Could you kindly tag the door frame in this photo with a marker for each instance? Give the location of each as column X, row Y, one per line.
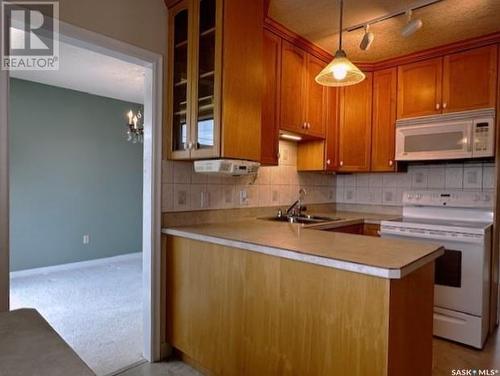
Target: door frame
column 153, row 113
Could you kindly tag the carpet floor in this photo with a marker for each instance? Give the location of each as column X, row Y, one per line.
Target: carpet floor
column 97, row 309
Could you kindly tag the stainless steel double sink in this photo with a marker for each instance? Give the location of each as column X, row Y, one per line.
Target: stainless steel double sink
column 302, row 219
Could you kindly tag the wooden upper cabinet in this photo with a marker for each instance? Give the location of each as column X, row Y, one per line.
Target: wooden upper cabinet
column 178, row 91
column 315, row 114
column 332, row 129
column 419, row 88
column 302, row 100
column 469, row 80
column 293, row 78
column 384, row 120
column 215, row 79
column 355, row 126
column 270, row 100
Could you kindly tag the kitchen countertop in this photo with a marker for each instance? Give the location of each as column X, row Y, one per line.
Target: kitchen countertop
column 387, row 258
column 352, row 218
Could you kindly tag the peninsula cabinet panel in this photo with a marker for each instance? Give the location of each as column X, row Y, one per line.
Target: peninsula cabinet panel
column 469, row 80
column 293, row 79
column 419, row 88
column 315, row 116
column 384, row 120
column 215, row 81
column 270, row 100
column 355, row 126
column 236, row 312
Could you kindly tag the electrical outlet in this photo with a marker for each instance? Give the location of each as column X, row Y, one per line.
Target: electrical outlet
column 243, row 197
column 86, row 239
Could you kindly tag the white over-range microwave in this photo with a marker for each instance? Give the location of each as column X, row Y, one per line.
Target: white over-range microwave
column 459, row 135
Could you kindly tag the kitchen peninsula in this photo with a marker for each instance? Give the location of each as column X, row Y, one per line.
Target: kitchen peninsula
column 257, row 297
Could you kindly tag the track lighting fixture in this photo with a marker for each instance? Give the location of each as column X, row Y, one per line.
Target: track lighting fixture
column 368, row 38
column 412, row 26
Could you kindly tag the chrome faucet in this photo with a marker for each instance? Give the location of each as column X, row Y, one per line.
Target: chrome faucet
column 297, row 208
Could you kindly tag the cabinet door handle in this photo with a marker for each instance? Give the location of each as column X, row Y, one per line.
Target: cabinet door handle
column 190, row 145
column 391, row 162
column 308, row 125
column 445, row 105
column 438, row 106
column 328, row 162
column 341, row 163
column 304, row 126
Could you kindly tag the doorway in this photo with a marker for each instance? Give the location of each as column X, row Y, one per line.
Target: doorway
column 151, row 174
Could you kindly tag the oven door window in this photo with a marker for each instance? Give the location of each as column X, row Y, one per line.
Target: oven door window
column 448, row 270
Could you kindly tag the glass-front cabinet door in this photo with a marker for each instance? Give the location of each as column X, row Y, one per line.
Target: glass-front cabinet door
column 205, row 114
column 194, row 78
column 179, row 79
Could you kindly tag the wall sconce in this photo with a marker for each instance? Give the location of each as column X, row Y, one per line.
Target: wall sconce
column 135, row 127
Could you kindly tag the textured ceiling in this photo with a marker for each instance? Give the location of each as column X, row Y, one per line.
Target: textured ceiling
column 90, row 72
column 444, row 22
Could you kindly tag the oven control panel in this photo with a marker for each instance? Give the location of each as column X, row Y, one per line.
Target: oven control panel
column 483, row 137
column 450, row 199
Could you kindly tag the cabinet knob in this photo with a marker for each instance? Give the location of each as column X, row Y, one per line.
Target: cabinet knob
column 391, row 162
column 438, row 106
column 304, row 126
column 190, row 145
column 445, row 105
column 328, row 162
column 341, row 163
column 308, row 125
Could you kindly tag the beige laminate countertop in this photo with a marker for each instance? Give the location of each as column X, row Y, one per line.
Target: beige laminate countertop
column 351, row 218
column 386, row 258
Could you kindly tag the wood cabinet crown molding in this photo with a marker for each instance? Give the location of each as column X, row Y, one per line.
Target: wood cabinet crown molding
column 429, row 53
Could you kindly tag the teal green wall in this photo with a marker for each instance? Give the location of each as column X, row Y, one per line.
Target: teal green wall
column 72, row 173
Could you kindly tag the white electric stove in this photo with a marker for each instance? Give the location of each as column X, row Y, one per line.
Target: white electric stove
column 461, row 222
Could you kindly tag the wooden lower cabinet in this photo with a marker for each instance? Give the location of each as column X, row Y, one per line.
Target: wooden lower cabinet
column 370, row 229
column 350, row 229
column 236, row 312
column 359, row 229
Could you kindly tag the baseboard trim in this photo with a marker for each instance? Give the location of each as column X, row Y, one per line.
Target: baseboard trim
column 75, row 265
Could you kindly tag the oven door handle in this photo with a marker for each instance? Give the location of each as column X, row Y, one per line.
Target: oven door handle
column 453, row 320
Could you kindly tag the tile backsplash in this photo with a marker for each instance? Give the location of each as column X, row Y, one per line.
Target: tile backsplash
column 185, row 190
column 387, row 189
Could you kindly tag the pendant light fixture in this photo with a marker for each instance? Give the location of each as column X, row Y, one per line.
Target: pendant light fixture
column 340, row 72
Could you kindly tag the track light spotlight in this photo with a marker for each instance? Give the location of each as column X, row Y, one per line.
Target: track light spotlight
column 412, row 26
column 367, row 40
